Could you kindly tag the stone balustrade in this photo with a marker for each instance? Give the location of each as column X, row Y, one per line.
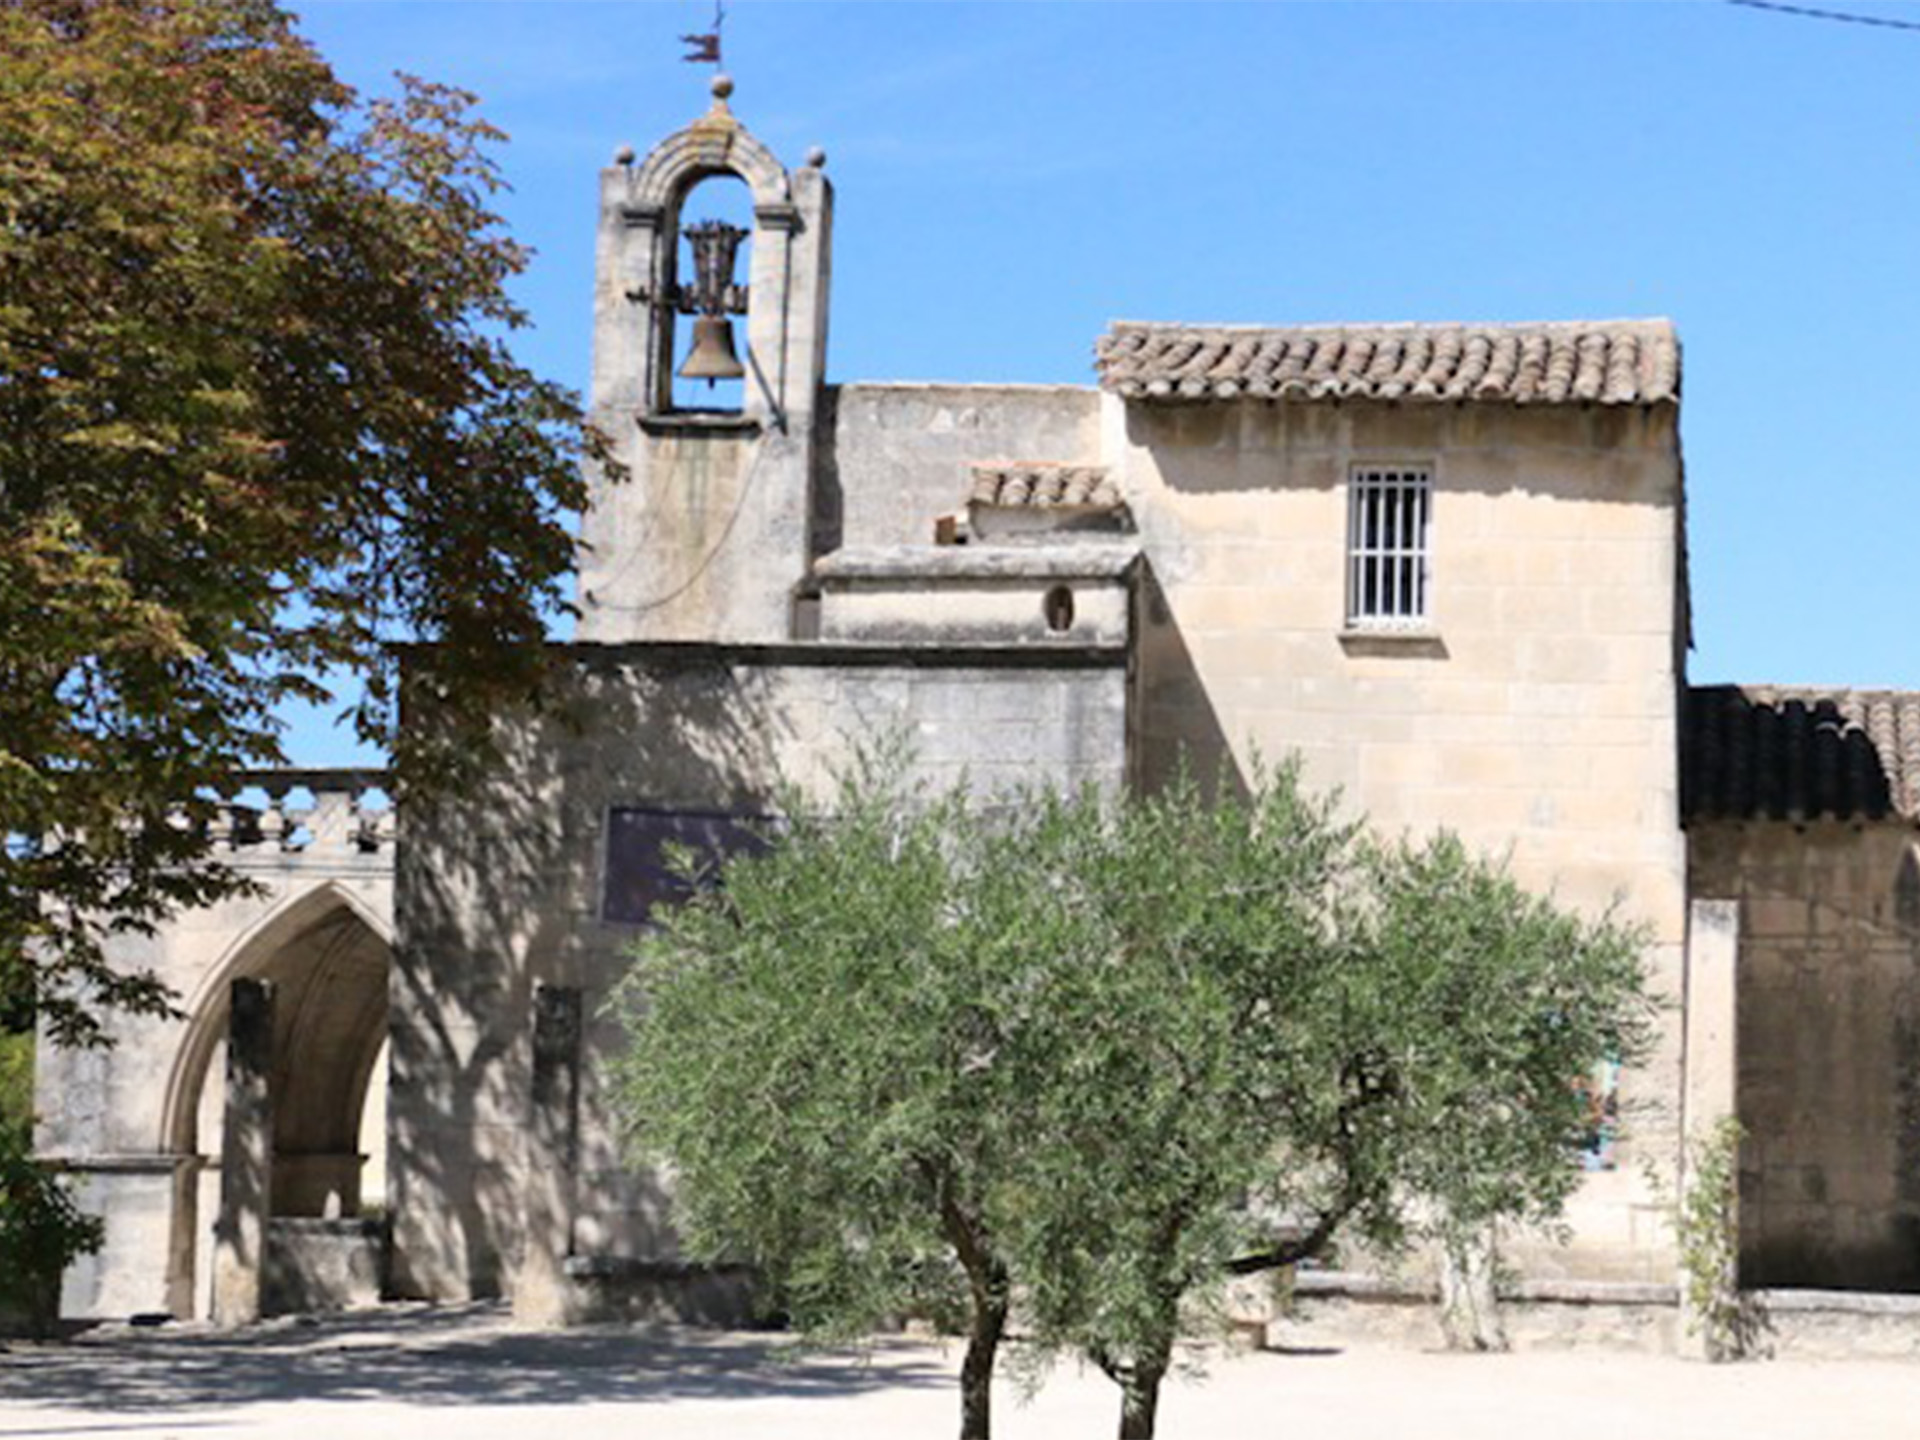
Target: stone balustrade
column 307, row 811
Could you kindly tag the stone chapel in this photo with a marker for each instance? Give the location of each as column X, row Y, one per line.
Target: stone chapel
column 1445, row 563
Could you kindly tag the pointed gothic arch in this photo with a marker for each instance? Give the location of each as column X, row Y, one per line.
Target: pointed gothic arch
column 328, row 952
column 251, row 954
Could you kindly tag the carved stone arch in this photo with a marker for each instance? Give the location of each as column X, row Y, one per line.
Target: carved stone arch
column 329, row 953
column 249, row 954
column 717, row 144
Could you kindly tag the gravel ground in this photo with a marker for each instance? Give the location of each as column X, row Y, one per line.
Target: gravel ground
column 420, row 1373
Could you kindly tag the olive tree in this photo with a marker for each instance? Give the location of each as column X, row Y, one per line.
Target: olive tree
column 1079, row 1059
column 815, row 1048
column 1311, row 1034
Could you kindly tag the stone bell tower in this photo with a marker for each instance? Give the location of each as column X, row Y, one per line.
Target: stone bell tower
column 706, row 538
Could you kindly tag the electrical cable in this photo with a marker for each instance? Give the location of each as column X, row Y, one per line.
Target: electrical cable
column 639, row 550
column 1807, row 12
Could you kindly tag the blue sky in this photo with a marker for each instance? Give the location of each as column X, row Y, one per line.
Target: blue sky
column 1010, row 177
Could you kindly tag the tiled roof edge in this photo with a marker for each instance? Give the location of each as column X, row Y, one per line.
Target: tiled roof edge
column 1770, row 752
column 1603, row 362
column 1041, row 484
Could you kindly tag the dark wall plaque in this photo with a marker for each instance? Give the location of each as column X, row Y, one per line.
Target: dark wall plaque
column 640, row 846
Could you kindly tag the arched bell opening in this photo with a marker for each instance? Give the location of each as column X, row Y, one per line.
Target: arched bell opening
column 710, row 537
column 328, row 965
column 713, row 228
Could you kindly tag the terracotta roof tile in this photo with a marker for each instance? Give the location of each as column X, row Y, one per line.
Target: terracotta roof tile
column 1757, row 752
column 1043, row 486
column 1607, row 362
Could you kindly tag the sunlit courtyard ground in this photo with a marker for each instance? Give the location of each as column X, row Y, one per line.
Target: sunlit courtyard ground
column 421, row 1374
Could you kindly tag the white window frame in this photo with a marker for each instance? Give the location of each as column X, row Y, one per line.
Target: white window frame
column 1390, row 546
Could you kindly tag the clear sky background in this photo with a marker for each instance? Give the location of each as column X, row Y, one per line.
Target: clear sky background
column 1011, row 177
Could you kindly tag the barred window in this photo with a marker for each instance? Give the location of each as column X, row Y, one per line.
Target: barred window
column 1387, row 523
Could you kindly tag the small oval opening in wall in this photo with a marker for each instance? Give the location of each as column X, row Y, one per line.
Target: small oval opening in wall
column 1058, row 608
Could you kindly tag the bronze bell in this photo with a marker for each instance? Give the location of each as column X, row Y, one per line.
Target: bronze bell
column 712, row 357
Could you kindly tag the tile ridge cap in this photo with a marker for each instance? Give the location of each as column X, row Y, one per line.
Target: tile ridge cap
column 1256, row 328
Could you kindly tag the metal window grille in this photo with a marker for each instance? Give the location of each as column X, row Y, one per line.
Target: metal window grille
column 1387, row 522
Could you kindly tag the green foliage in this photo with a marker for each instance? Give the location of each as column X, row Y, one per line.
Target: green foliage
column 1196, row 1024
column 1499, row 1003
column 1121, row 1049
column 258, row 419
column 800, row 1052
column 16, row 1078
column 1706, row 1219
column 41, row 1232
column 1297, row 1031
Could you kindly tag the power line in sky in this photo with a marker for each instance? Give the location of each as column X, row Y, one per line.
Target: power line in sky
column 1809, row 13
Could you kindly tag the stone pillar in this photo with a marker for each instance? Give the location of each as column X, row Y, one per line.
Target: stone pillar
column 184, row 1239
column 541, row 1288
column 246, row 1156
column 1713, row 949
column 1709, row 1097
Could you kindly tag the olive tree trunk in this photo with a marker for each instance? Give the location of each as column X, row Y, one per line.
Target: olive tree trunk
column 984, row 1330
column 1469, row 1297
column 1140, row 1391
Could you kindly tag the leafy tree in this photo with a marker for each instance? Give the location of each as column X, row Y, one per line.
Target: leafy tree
column 16, row 1077
column 1084, row 1059
column 42, row 1231
column 258, row 419
column 1316, row 1034
column 811, row 1048
column 1205, row 1100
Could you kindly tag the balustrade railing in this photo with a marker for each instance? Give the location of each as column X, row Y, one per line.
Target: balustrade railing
column 303, row 811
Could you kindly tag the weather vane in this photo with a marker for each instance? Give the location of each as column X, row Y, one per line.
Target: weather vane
column 705, row 49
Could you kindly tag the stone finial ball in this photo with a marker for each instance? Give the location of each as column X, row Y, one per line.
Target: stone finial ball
column 722, row 86
column 816, row 158
column 624, row 155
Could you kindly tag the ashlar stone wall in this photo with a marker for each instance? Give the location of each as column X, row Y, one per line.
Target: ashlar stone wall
column 1534, row 712
column 895, row 456
column 1829, row 1047
column 502, row 899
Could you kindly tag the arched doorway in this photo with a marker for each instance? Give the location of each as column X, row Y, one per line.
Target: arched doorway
column 328, row 958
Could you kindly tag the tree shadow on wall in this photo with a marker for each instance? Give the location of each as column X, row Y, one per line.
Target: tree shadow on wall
column 498, row 891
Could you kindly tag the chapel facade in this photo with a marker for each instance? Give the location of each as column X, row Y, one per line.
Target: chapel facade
column 1445, row 564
